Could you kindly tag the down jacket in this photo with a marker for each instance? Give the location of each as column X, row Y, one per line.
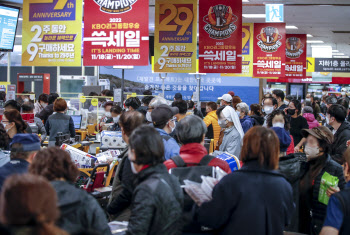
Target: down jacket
column 211, row 121
column 310, row 118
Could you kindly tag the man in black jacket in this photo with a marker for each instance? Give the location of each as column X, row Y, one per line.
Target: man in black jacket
column 48, row 110
column 336, row 115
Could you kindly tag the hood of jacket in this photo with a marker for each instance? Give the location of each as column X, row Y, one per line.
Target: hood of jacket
column 245, row 118
column 68, row 195
column 193, row 151
column 258, row 119
column 310, row 117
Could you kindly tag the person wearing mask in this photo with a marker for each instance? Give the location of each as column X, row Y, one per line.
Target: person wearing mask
column 236, row 100
column 133, row 103
column 336, row 221
column 182, row 106
column 177, row 97
column 231, row 132
column 164, row 121
column 211, row 121
column 27, row 107
column 323, row 105
column 312, row 212
column 59, row 122
column 226, row 100
column 123, row 187
column 23, row 97
column 157, row 200
column 335, row 117
column 23, row 150
column 343, row 93
column 116, row 111
column 155, row 102
column 279, row 96
column 13, row 123
column 242, row 112
column 4, row 145
column 145, row 103
column 288, row 99
column 41, row 103
column 297, row 123
column 310, row 118
column 28, row 206
column 231, row 208
column 193, row 110
column 345, row 103
column 107, row 117
column 256, row 114
column 48, row 110
column 79, row 210
column 269, row 104
column 316, row 108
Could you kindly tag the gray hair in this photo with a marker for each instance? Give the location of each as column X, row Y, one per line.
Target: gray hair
column 244, row 107
column 155, row 102
column 191, row 130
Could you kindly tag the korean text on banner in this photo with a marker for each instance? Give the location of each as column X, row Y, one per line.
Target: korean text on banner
column 116, row 32
column 51, row 34
column 296, row 55
column 220, row 36
column 175, row 36
column 269, row 50
column 247, row 52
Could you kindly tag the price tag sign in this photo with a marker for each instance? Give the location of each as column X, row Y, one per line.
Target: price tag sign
column 118, row 95
column 82, row 99
column 175, row 41
column 94, row 102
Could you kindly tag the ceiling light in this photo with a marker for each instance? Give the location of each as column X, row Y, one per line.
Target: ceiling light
column 314, row 41
column 20, row 19
column 335, row 50
column 291, row 27
column 18, row 36
column 309, row 36
column 245, row 0
column 338, row 53
column 339, row 56
column 254, row 15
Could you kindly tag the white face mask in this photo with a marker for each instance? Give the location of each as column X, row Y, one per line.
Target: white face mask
column 343, row 93
column 327, row 120
column 133, row 168
column 222, row 123
column 108, row 114
column 116, row 119
column 268, row 109
column 278, row 124
column 26, row 100
column 324, row 93
column 149, row 117
column 311, row 152
column 127, row 109
column 44, row 105
column 307, row 99
column 173, row 128
column 286, row 102
column 238, row 113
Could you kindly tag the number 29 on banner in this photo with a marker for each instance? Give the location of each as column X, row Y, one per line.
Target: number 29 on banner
column 175, row 36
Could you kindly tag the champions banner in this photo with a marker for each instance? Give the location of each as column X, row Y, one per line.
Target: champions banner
column 51, row 34
column 269, row 49
column 116, row 32
column 220, row 36
column 175, row 36
column 296, row 55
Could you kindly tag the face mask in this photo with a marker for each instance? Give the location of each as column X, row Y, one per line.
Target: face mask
column 4, row 124
column 324, row 93
column 149, row 117
column 44, row 105
column 268, row 109
column 343, row 93
column 133, row 168
column 312, row 152
column 327, row 120
column 26, row 100
column 286, row 102
column 173, row 128
column 291, row 112
column 238, row 113
column 108, row 114
column 116, row 119
column 222, row 123
column 278, row 124
column 126, row 110
column 307, row 99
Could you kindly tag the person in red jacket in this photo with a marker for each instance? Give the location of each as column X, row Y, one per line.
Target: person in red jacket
column 191, row 131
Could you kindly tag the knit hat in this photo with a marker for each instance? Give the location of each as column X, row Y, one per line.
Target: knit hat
column 308, row 109
column 284, row 138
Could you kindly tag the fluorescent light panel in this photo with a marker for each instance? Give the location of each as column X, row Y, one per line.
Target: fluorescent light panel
column 254, row 15
column 18, row 36
column 309, row 36
column 245, row 1
column 314, row 41
column 20, row 19
column 335, row 50
column 339, row 56
column 291, row 27
column 338, row 53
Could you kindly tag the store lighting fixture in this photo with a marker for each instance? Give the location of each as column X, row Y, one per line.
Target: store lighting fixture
column 335, row 50
column 254, row 15
column 18, row 36
column 341, row 56
column 314, row 41
column 20, row 19
column 245, row 0
column 338, row 53
column 291, row 27
column 309, row 36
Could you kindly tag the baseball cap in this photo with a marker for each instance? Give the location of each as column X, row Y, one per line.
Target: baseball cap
column 226, row 97
column 232, row 93
column 162, row 114
column 344, row 89
column 178, row 96
column 30, row 142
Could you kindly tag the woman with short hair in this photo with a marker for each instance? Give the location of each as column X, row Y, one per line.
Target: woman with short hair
column 255, row 199
column 79, row 210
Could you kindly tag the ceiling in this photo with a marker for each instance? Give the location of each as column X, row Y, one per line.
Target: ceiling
column 316, row 17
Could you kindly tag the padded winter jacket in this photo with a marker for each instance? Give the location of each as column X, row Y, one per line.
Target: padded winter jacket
column 339, row 145
column 212, row 120
column 310, row 118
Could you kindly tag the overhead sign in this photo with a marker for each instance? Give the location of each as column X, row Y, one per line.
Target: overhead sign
column 116, row 32
column 296, row 55
column 332, row 65
column 49, row 33
column 220, row 36
column 310, row 64
column 175, row 36
column 8, row 26
column 274, row 13
column 269, row 50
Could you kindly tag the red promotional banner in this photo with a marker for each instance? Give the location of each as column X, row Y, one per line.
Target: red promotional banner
column 269, row 49
column 296, row 55
column 220, row 36
column 115, row 31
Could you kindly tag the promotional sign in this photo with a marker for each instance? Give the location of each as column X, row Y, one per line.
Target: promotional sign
column 247, row 52
column 295, row 55
column 8, row 27
column 175, row 36
column 310, row 64
column 220, row 36
column 274, row 13
column 115, row 31
column 332, row 65
column 11, row 92
column 49, row 33
column 269, row 49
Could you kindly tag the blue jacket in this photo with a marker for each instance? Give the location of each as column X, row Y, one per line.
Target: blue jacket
column 171, row 148
column 15, row 166
column 59, row 122
column 251, row 200
column 246, row 123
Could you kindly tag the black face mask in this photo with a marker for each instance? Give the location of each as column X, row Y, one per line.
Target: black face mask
column 291, row 112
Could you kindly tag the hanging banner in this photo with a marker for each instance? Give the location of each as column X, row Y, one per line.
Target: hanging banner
column 49, row 33
column 296, row 55
column 247, row 52
column 220, row 36
column 269, row 50
column 175, row 36
column 341, row 65
column 115, row 31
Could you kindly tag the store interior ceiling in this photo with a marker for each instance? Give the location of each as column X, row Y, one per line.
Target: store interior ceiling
column 327, row 21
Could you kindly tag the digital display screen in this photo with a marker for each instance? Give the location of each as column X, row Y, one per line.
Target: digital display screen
column 77, row 121
column 8, row 25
